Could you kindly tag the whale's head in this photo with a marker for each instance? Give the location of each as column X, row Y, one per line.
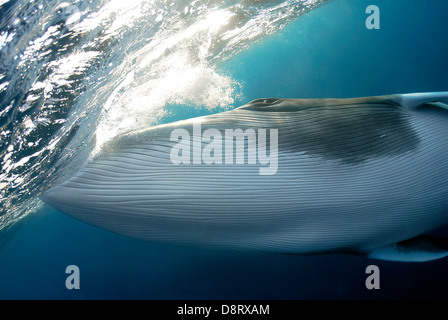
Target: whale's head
column 337, row 161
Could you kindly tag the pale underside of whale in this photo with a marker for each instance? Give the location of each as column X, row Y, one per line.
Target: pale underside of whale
column 362, row 175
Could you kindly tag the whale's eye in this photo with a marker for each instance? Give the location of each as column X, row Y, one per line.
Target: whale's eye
column 264, row 102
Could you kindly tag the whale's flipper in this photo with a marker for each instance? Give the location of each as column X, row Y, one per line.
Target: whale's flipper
column 439, row 105
column 419, row 249
column 413, row 100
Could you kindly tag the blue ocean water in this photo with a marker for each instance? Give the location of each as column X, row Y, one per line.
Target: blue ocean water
column 327, row 52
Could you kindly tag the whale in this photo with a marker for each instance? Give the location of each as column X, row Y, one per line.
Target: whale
column 365, row 176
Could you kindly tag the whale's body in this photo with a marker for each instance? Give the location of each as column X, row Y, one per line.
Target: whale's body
column 363, row 175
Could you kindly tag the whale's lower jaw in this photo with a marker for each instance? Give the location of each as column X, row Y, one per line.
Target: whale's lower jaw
column 279, row 234
column 306, row 208
column 365, row 188
column 271, row 235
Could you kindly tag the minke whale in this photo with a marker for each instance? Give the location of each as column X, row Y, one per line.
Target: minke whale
column 365, row 176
